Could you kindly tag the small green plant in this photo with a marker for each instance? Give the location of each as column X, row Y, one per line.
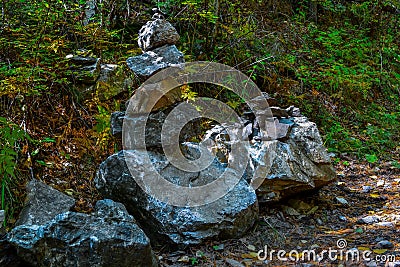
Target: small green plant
column 10, row 136
column 371, row 158
column 194, row 261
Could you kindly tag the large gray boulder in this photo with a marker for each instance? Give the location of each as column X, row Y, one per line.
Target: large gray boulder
column 228, row 217
column 43, row 203
column 107, row 237
column 150, row 62
column 295, row 160
column 154, row 124
column 157, row 33
column 301, row 163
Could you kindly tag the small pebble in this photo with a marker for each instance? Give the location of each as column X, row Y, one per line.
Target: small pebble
column 342, row 200
column 343, row 218
column 371, row 264
column 368, row 220
column 386, row 224
column 385, row 244
column 233, row 263
column 366, row 188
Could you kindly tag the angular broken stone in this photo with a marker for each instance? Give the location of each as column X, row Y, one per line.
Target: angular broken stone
column 107, row 237
column 368, row 220
column 157, row 33
column 293, row 111
column 43, row 203
column 228, row 217
column 150, row 62
column 301, row 163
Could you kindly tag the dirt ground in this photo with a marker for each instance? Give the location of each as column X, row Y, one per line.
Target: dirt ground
column 352, row 222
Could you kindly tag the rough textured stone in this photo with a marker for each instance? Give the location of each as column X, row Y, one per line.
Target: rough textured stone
column 2, row 218
column 156, row 93
column 228, row 217
column 86, row 69
column 150, row 62
column 43, row 203
column 8, row 255
column 301, row 163
column 154, row 124
column 157, row 33
column 112, row 81
column 107, row 237
column 116, row 122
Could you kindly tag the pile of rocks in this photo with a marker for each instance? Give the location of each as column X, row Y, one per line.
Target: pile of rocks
column 299, row 161
column 91, row 76
column 157, row 40
column 49, row 234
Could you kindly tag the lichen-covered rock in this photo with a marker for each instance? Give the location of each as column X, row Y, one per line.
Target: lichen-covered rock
column 150, row 62
column 228, row 217
column 157, row 33
column 107, row 237
column 43, row 203
column 85, row 67
column 112, row 81
column 301, row 163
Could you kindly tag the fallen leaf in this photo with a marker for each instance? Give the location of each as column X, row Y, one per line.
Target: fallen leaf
column 69, row 192
column 250, row 255
column 290, row 211
column 379, row 251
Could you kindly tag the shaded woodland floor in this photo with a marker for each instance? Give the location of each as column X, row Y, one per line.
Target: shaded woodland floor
column 316, row 221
